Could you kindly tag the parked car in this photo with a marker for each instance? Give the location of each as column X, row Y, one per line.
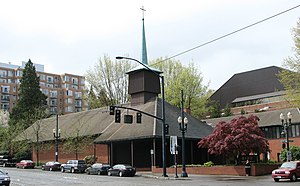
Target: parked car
column 7, row 161
column 121, row 170
column 98, row 168
column 288, row 170
column 4, row 178
column 51, row 166
column 25, row 164
column 74, row 166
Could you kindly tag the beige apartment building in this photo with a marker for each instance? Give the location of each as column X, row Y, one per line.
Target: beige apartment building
column 65, row 93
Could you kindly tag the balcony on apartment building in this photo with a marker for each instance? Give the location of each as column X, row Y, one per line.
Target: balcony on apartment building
column 5, row 106
column 5, row 99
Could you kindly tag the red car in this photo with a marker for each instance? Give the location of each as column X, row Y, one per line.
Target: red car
column 51, row 166
column 25, row 164
column 288, row 170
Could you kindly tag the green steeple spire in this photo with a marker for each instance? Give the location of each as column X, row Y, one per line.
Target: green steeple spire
column 144, row 48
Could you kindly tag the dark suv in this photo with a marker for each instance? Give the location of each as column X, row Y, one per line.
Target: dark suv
column 74, row 166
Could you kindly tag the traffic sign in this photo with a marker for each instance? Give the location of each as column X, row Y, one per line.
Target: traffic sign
column 173, row 144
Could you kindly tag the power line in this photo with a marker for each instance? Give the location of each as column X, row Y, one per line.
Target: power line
column 226, row 35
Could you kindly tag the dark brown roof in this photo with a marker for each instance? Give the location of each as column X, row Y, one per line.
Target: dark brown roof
column 99, row 122
column 255, row 82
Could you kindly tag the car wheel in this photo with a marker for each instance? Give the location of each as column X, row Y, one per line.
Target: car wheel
column 72, row 170
column 99, row 172
column 88, row 172
column 120, row 173
column 23, row 167
column 109, row 174
column 276, row 179
column 50, row 169
column 294, row 177
column 62, row 169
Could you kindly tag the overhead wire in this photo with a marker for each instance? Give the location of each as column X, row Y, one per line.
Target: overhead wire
column 221, row 37
column 226, row 35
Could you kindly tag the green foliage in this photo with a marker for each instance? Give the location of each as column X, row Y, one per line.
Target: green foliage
column 30, row 98
column 208, row 164
column 186, row 78
column 215, row 109
column 90, row 159
column 227, row 111
column 291, row 78
column 243, row 112
column 295, row 153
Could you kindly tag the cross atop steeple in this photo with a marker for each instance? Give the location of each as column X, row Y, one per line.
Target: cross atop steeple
column 143, row 10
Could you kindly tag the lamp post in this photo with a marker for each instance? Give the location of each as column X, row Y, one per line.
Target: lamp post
column 183, row 121
column 56, row 135
column 164, row 155
column 286, row 123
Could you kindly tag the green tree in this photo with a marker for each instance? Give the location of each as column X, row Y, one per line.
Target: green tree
column 188, row 79
column 214, row 109
column 30, row 98
column 109, row 81
column 30, row 101
column 295, row 153
column 227, row 111
column 291, row 78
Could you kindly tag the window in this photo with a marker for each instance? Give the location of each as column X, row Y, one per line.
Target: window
column 53, row 93
column 5, row 89
column 78, row 95
column 50, row 79
column 69, row 109
column 10, row 73
column 70, row 101
column 75, row 81
column 69, row 93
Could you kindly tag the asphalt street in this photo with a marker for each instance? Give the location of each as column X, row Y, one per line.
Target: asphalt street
column 37, row 177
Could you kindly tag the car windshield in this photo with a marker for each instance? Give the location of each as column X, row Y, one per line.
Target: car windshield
column 1, row 172
column 289, row 165
column 96, row 165
column 81, row 162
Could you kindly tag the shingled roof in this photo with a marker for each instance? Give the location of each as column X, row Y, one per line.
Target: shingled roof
column 269, row 118
column 254, row 82
column 99, row 122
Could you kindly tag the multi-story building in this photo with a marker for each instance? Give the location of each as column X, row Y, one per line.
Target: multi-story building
column 64, row 92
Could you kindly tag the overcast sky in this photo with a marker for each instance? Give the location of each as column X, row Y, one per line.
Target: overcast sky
column 69, row 36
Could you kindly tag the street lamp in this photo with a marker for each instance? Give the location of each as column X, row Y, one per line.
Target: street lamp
column 56, row 135
column 183, row 127
column 286, row 123
column 164, row 155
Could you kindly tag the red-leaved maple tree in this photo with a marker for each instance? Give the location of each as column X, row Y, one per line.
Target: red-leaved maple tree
column 240, row 136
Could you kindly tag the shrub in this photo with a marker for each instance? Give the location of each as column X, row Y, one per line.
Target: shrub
column 208, row 164
column 90, row 159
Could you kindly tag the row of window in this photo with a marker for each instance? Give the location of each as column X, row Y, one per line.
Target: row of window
column 259, row 101
column 6, row 89
column 276, row 132
column 53, row 110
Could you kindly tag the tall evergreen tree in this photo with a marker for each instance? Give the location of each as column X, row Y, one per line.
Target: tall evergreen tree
column 30, row 98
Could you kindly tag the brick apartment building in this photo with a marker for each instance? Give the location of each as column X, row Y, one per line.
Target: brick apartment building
column 259, row 92
column 64, row 92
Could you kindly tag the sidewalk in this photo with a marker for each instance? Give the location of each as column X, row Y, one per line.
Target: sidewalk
column 194, row 176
